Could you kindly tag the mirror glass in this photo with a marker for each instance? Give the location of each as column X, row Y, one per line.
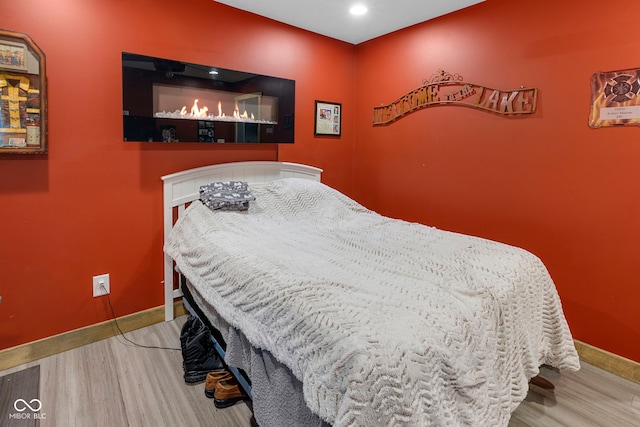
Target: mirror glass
column 172, row 101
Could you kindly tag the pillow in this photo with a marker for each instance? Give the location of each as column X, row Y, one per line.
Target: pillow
column 226, row 195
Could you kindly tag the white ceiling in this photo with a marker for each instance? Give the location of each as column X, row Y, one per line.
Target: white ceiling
column 332, row 18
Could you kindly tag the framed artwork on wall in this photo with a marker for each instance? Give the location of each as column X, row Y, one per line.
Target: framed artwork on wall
column 328, row 118
column 23, row 95
column 13, row 55
column 615, row 98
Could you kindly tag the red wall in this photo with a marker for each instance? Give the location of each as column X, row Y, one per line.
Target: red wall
column 93, row 205
column 546, row 182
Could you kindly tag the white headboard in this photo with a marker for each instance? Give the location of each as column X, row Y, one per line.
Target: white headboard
column 181, row 188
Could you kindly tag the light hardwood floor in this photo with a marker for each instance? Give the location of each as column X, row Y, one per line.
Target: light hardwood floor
column 114, row 383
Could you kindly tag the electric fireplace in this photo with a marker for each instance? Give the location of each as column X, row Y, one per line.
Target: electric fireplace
column 172, row 101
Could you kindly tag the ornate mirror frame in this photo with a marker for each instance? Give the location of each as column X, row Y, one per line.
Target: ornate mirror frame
column 23, row 95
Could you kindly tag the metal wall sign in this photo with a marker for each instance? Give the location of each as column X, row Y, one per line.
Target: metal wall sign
column 444, row 88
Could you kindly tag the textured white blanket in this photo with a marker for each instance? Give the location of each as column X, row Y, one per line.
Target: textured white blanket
column 385, row 322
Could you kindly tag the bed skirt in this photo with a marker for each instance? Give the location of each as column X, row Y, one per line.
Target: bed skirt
column 277, row 394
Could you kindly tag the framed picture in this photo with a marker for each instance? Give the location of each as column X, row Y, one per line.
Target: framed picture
column 614, row 98
column 23, row 95
column 13, row 55
column 328, row 118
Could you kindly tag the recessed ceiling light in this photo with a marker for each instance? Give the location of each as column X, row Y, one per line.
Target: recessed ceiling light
column 358, row 9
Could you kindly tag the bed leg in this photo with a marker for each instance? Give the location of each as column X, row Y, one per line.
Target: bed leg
column 542, row 382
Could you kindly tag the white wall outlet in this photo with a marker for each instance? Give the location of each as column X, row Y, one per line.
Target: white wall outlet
column 101, row 285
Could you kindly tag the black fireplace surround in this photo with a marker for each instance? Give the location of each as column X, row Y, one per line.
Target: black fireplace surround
column 172, row 101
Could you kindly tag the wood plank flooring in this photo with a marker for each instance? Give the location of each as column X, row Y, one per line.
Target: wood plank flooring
column 113, row 383
column 17, row 390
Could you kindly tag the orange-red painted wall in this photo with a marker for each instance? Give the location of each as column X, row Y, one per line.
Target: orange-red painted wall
column 548, row 182
column 93, row 204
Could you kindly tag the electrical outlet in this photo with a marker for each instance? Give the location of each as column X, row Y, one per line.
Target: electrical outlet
column 101, row 285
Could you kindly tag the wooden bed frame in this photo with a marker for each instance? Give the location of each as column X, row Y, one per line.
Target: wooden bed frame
column 181, row 188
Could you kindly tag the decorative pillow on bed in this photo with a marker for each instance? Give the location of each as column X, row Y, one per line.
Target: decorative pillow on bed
column 226, row 195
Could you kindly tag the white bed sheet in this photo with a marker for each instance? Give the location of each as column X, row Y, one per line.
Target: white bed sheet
column 384, row 322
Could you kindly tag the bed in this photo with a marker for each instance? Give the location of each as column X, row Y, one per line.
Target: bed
column 345, row 317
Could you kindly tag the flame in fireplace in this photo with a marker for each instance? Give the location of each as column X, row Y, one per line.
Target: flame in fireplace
column 245, row 115
column 197, row 112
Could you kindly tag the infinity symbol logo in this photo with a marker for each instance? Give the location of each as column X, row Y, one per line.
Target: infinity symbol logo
column 26, row 405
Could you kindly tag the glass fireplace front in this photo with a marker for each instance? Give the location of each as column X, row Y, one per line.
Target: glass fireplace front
column 173, row 101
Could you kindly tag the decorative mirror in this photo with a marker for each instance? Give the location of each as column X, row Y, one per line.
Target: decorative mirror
column 23, row 95
column 172, row 101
